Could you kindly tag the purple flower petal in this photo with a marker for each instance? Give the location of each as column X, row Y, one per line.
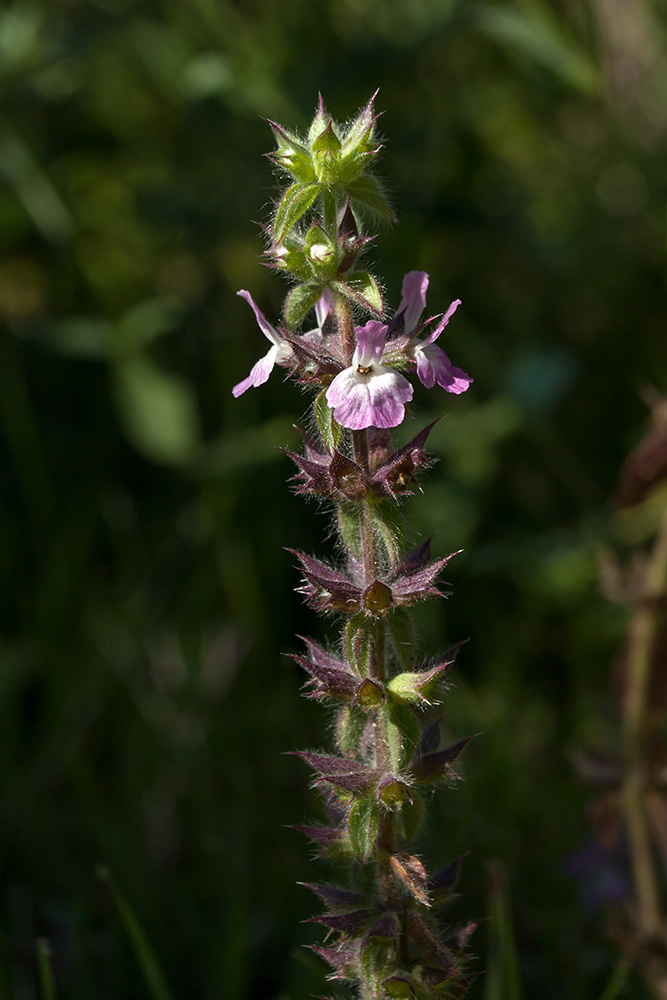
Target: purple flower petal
column 262, row 321
column 368, row 393
column 370, row 344
column 278, row 352
column 259, row 373
column 374, row 398
column 433, row 366
column 323, row 307
column 442, row 324
column 413, row 302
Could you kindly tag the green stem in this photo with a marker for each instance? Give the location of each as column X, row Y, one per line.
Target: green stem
column 329, row 211
column 345, row 326
column 642, row 636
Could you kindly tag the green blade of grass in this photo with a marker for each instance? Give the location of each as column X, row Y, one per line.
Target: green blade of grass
column 503, row 981
column 148, row 963
column 47, row 986
column 617, row 980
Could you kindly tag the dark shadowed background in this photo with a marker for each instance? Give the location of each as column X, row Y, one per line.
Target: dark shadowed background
column 145, row 704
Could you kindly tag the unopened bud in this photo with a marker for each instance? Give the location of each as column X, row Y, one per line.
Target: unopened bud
column 320, row 253
column 417, row 688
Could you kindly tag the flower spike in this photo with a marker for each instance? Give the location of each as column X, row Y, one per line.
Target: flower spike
column 380, row 932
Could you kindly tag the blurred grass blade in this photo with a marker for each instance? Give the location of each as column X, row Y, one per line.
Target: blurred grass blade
column 538, row 35
column 503, row 981
column 158, row 410
column 618, row 979
column 152, row 973
column 33, row 188
column 47, row 986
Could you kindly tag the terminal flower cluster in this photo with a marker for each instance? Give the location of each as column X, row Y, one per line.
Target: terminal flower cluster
column 362, row 367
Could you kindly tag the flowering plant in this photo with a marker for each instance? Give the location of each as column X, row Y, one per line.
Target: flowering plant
column 381, row 934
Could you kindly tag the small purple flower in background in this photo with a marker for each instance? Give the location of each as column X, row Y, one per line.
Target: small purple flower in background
column 279, row 351
column 433, row 365
column 368, row 393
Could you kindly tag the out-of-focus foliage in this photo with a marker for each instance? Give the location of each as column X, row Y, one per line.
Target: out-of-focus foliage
column 144, row 704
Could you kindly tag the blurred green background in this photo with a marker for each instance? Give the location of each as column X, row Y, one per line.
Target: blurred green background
column 145, row 706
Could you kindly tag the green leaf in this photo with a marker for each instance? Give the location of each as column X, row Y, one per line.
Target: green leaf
column 362, row 825
column 349, row 526
column 350, row 725
column 410, row 817
column 403, row 734
column 402, row 632
column 141, row 325
column 47, row 984
column 617, row 981
column 368, row 974
column 363, row 289
column 292, row 155
column 82, row 336
column 152, row 973
column 360, row 135
column 503, row 980
column 541, row 37
column 327, row 141
column 356, row 623
column 300, row 300
column 158, row 410
column 388, row 524
column 294, row 203
column 366, row 191
column 321, row 120
column 359, row 636
column 327, row 426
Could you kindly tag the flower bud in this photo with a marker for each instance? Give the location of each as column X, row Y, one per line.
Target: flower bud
column 320, row 253
column 291, row 155
column 417, row 688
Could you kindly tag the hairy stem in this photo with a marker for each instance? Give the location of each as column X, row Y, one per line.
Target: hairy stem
column 642, row 635
column 346, row 330
column 329, row 211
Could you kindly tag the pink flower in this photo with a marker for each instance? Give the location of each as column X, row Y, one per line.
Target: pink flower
column 279, row 351
column 368, row 393
column 323, row 307
column 413, row 301
column 433, row 365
